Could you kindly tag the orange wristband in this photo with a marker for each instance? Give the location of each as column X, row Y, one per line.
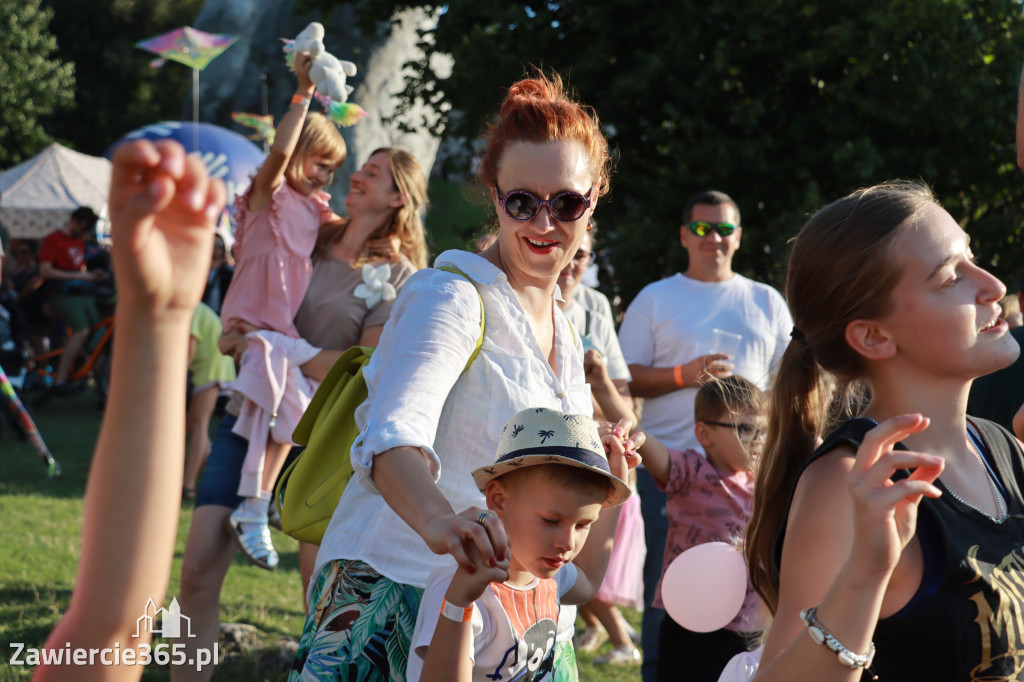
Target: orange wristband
column 299, row 99
column 677, row 372
column 460, row 614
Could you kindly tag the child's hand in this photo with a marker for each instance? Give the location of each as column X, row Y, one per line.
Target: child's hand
column 163, row 210
column 303, row 63
column 234, row 341
column 467, row 587
column 620, row 445
column 595, row 369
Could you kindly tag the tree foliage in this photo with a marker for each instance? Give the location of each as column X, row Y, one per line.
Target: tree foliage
column 784, row 104
column 117, row 89
column 35, row 84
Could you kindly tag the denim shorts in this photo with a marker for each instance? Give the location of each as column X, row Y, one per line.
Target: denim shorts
column 219, row 480
column 223, row 471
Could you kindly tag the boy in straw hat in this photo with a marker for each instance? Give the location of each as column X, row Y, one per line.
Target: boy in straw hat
column 552, row 475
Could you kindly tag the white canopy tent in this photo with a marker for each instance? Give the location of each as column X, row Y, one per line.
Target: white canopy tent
column 38, row 196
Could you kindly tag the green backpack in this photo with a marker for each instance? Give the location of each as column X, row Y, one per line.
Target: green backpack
column 308, row 491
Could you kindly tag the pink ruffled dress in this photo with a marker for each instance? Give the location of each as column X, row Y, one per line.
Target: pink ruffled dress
column 274, row 246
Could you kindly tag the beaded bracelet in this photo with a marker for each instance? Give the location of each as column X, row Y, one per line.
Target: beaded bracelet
column 820, row 634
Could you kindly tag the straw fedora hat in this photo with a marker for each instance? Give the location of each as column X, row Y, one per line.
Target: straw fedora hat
column 543, row 436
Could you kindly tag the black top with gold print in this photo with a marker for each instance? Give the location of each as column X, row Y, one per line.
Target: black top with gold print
column 966, row 621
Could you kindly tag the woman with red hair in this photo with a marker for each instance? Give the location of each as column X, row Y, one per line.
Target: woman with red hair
column 430, row 419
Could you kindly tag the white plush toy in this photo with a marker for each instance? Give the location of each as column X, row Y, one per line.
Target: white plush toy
column 328, row 73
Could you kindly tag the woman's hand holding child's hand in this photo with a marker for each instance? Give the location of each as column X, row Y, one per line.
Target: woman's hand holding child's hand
column 233, row 341
column 466, row 586
column 885, row 511
column 164, row 207
column 473, row 530
column 620, row 445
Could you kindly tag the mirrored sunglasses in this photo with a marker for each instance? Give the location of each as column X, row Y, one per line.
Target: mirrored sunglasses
column 702, row 228
column 565, row 207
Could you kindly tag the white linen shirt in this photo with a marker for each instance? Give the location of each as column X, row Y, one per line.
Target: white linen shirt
column 419, row 397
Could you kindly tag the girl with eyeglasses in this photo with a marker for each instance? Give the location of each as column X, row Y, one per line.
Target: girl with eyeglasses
column 430, row 418
column 896, row 547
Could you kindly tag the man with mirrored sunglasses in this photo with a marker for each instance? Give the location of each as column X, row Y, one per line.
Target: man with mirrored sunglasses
column 666, row 338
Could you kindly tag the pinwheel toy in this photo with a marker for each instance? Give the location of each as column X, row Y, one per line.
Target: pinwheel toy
column 29, row 426
column 190, row 47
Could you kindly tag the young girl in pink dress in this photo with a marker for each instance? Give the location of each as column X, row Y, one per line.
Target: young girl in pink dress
column 278, row 221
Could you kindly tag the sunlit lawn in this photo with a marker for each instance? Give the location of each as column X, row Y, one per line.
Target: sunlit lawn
column 39, row 540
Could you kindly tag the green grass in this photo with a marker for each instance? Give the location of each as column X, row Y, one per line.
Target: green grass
column 40, row 539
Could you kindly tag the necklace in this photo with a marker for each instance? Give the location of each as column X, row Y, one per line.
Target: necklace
column 1000, row 504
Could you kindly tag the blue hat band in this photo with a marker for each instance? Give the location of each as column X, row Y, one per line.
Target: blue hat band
column 582, row 455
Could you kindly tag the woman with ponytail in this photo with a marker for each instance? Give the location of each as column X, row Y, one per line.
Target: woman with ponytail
column 895, row 547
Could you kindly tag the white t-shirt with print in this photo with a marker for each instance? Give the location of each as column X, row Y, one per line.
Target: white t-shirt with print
column 513, row 627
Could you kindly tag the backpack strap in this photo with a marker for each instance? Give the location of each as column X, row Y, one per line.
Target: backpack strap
column 483, row 315
column 586, row 324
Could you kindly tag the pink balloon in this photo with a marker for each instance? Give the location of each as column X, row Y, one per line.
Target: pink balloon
column 704, row 587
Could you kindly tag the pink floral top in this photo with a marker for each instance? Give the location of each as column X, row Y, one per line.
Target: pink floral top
column 274, row 246
column 706, row 504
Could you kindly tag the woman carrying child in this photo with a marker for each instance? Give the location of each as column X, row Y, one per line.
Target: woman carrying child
column 386, row 197
column 878, row 566
column 430, row 420
column 278, row 221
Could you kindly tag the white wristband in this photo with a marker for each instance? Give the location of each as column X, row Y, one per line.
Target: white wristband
column 459, row 614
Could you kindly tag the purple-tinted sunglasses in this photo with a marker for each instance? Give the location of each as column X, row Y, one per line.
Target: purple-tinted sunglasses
column 565, row 207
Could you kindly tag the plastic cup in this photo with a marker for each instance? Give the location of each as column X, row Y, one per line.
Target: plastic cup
column 726, row 343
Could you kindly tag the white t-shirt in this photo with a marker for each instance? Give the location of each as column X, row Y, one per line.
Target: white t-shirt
column 513, row 627
column 669, row 323
column 419, row 397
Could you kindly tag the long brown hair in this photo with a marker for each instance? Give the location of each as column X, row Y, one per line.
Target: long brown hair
column 841, row 269
column 407, row 177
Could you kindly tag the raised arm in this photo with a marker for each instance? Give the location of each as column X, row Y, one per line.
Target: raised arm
column 842, row 551
column 449, row 658
column 611, row 396
column 271, row 173
column 163, row 210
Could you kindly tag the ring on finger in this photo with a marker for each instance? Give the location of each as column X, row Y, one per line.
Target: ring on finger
column 483, row 516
